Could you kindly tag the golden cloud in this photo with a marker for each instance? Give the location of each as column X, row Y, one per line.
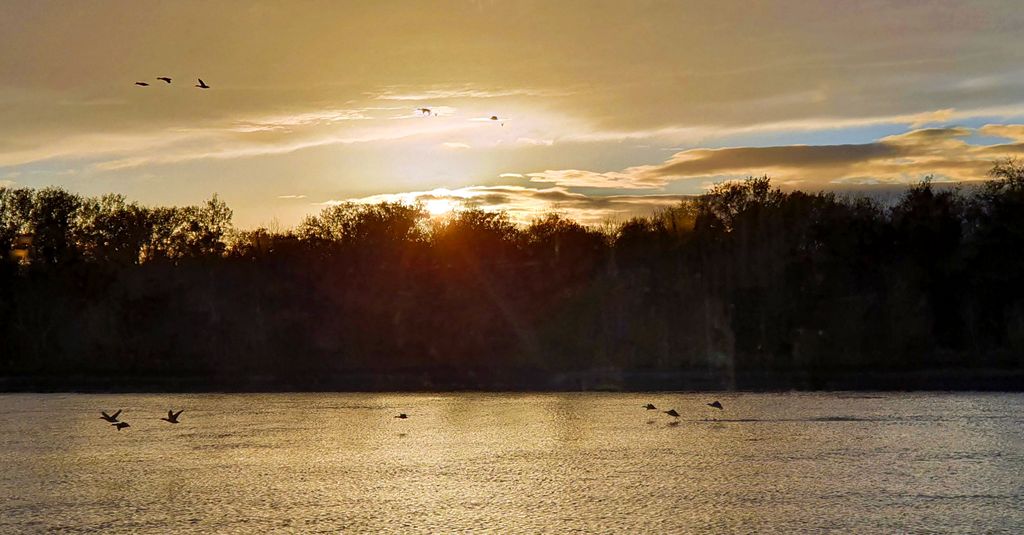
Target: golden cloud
column 942, row 152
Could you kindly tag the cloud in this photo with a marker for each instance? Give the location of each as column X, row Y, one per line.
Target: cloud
column 631, row 178
column 291, row 196
column 535, row 142
column 257, row 137
column 7, row 179
column 1013, row 132
column 525, row 204
column 712, row 129
column 454, row 145
column 464, row 92
column 942, row 152
column 285, row 122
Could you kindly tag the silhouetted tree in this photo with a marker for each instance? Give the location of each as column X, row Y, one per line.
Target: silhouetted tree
column 742, row 279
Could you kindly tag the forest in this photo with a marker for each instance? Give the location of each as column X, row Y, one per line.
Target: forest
column 745, row 286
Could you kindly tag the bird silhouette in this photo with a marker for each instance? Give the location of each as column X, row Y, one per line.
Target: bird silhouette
column 120, row 425
column 143, row 84
column 424, row 111
column 715, row 404
column 402, row 416
column 650, row 407
column 112, row 418
column 202, row 84
column 495, row 118
column 172, row 417
column 672, row 412
column 164, row 78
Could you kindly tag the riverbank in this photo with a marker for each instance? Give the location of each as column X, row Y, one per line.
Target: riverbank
column 534, row 380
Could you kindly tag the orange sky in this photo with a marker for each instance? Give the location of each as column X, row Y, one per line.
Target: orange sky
column 606, row 109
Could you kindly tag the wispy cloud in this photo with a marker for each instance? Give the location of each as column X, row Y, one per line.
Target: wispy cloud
column 714, row 130
column 455, row 145
column 287, row 134
column 291, row 196
column 463, row 92
column 285, row 122
column 535, row 142
column 630, row 178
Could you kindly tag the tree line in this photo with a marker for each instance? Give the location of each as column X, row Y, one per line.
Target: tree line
column 745, row 277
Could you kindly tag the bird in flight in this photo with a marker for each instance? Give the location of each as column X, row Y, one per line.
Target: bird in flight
column 143, row 84
column 495, row 118
column 112, row 418
column 120, row 425
column 164, row 78
column 172, row 417
column 715, row 404
column 672, row 413
column 650, row 407
column 202, row 84
column 402, row 416
column 424, row 111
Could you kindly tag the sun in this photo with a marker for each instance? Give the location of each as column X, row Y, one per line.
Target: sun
column 438, row 207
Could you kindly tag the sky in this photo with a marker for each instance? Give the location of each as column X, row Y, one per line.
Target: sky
column 605, row 109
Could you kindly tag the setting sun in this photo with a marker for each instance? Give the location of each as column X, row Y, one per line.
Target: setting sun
column 437, row 207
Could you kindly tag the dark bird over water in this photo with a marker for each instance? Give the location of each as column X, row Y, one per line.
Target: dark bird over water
column 172, row 417
column 202, row 84
column 715, row 404
column 164, row 78
column 143, row 84
column 671, row 412
column 112, row 418
column 650, row 407
column 120, row 425
column 402, row 416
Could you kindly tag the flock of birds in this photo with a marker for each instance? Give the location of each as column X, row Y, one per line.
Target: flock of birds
column 172, row 418
column 167, row 80
column 672, row 412
column 650, row 406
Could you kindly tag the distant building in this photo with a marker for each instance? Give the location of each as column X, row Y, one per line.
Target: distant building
column 21, row 249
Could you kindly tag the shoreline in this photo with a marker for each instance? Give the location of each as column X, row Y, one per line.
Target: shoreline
column 981, row 380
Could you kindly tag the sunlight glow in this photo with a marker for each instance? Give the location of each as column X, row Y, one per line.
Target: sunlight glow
column 437, row 207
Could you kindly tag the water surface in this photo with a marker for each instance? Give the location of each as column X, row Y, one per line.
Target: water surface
column 513, row 463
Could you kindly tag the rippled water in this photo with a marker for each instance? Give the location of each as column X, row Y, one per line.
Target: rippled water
column 514, row 463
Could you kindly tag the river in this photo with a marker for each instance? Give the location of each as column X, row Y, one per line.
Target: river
column 513, row 463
